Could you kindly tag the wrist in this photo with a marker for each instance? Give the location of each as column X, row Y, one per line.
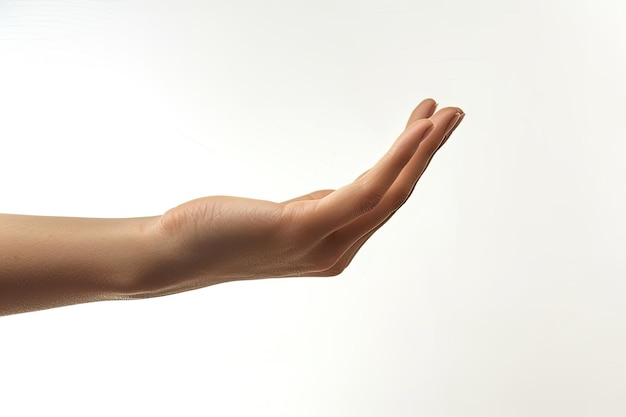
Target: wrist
column 143, row 260
column 155, row 262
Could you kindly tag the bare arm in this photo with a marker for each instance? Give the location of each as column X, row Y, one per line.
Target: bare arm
column 53, row 261
column 47, row 262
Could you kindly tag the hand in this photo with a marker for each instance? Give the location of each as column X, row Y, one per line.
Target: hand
column 217, row 239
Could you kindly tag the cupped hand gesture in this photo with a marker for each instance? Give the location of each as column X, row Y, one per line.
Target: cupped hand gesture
column 218, row 239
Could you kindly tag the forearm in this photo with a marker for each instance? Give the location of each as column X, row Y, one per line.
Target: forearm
column 54, row 261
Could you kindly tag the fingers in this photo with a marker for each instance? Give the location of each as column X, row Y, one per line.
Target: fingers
column 445, row 139
column 445, row 121
column 341, row 207
column 346, row 218
column 423, row 111
column 448, row 133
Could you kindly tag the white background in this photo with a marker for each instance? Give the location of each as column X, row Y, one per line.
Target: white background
column 498, row 290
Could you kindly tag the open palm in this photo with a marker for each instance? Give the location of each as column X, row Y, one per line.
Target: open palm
column 217, row 239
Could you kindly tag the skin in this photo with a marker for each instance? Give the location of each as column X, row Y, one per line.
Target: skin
column 49, row 262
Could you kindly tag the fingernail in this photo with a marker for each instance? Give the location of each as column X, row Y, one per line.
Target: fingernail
column 454, row 122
